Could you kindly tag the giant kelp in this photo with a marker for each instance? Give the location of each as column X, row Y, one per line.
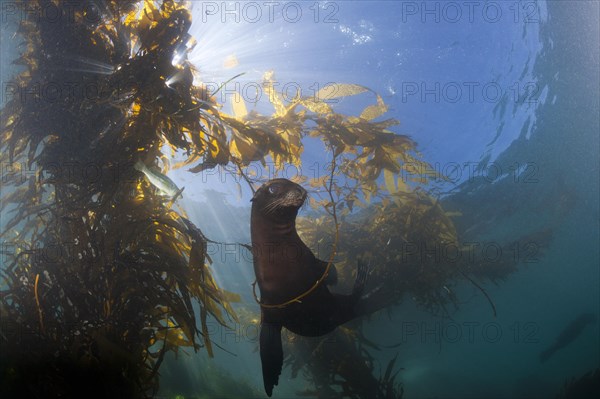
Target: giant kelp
column 420, row 253
column 340, row 366
column 586, row 386
column 101, row 275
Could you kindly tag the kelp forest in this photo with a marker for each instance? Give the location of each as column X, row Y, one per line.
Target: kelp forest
column 104, row 277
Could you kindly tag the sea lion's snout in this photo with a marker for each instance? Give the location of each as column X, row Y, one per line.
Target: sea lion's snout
column 292, row 195
column 296, row 196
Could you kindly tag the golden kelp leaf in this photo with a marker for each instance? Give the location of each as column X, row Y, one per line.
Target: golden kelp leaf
column 131, row 16
column 390, row 183
column 374, row 111
column 231, row 296
column 318, row 107
column 269, row 75
column 244, row 150
column 166, row 164
column 234, row 150
column 135, row 108
column 383, row 125
column 239, row 106
column 148, row 17
column 231, row 61
column 207, row 343
column 174, row 336
column 319, row 181
column 274, row 97
column 214, row 147
column 402, row 186
column 337, row 90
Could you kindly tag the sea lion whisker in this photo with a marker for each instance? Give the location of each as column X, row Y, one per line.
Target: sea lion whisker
column 305, row 204
column 269, row 208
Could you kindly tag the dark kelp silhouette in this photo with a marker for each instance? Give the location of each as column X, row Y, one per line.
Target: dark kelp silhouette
column 568, row 335
column 102, row 275
column 585, row 387
column 339, row 366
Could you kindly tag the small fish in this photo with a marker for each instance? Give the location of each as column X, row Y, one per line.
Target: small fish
column 160, row 181
column 568, row 335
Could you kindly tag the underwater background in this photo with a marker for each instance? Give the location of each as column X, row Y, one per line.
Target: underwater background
column 501, row 97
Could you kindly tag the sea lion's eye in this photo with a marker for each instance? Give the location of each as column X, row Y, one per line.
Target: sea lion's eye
column 274, row 188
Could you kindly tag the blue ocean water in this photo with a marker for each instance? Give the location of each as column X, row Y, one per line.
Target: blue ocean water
column 501, row 96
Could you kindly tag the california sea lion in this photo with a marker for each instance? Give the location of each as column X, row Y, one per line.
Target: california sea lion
column 286, row 270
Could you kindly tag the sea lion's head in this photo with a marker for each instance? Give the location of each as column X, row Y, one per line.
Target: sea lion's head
column 279, row 199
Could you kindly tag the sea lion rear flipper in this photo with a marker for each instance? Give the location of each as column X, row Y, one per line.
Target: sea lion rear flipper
column 271, row 355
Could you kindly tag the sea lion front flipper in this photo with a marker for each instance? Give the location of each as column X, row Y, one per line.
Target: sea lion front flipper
column 361, row 278
column 271, row 355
